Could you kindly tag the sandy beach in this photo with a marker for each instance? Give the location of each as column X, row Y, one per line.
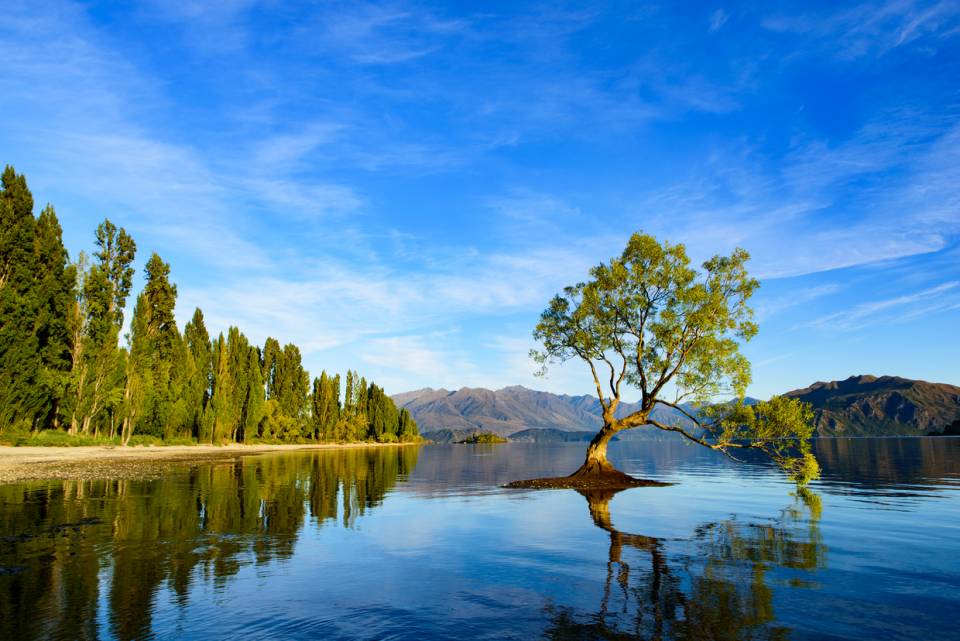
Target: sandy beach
column 39, row 463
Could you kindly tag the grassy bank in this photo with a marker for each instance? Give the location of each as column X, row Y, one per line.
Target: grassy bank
column 58, row 438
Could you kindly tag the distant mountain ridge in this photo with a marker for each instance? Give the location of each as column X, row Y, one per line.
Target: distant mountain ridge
column 509, row 410
column 867, row 405
column 858, row 406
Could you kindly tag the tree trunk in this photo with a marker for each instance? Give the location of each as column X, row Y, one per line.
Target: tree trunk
column 596, row 463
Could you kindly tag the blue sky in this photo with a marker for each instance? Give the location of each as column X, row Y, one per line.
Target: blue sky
column 401, row 187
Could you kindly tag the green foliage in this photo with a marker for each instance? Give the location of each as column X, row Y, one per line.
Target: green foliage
column 483, row 437
column 52, row 438
column 95, row 320
column 24, row 387
column 61, row 365
column 781, row 428
column 276, row 426
column 649, row 320
column 198, row 376
column 325, row 402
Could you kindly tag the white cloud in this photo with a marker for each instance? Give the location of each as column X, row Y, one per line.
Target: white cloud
column 873, row 28
column 717, row 19
column 893, row 310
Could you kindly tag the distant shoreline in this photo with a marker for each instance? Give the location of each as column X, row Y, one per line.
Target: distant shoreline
column 35, row 463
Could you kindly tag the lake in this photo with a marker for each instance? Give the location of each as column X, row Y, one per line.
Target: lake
column 423, row 543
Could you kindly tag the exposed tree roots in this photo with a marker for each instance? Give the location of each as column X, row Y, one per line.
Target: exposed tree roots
column 592, row 475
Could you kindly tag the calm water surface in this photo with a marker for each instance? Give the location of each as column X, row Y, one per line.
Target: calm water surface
column 423, row 543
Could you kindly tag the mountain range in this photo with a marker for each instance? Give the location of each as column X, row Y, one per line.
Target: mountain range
column 881, row 406
column 858, row 406
column 446, row 416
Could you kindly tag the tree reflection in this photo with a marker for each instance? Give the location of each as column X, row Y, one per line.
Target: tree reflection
column 718, row 590
column 61, row 544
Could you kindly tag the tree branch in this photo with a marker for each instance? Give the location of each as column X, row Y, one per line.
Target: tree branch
column 682, row 411
column 719, row 447
column 596, row 379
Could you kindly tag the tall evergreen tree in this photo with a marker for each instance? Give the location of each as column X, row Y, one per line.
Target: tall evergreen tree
column 348, row 403
column 199, row 371
column 326, row 406
column 165, row 412
column 54, row 293
column 98, row 318
column 253, row 405
column 36, row 284
column 59, row 352
column 22, row 396
column 221, row 414
column 291, row 383
column 271, row 352
column 138, row 383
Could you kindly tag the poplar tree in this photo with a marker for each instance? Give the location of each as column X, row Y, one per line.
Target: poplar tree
column 21, row 394
column 138, row 384
column 98, row 318
column 36, row 282
column 164, row 411
column 348, row 404
column 291, row 383
column 60, row 356
column 54, row 289
column 199, row 371
column 326, row 406
column 222, row 411
column 271, row 350
column 253, row 406
column 334, row 407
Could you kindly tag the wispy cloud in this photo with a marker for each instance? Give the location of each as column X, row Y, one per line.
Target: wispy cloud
column 893, row 187
column 384, row 34
column 892, row 310
column 873, row 28
column 717, row 19
column 365, row 176
column 796, row 298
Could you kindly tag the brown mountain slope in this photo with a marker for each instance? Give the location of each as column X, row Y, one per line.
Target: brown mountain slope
column 857, row 406
column 508, row 410
column 881, row 406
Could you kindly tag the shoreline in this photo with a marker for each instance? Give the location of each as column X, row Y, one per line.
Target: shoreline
column 43, row 463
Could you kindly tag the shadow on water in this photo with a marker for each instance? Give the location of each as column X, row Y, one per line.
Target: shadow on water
column 718, row 590
column 61, row 543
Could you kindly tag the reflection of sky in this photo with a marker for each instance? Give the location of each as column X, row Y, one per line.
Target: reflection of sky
column 473, row 564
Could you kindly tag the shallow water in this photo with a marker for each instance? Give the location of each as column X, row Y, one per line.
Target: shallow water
column 424, row 543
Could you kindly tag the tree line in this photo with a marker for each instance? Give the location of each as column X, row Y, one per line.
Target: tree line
column 62, row 365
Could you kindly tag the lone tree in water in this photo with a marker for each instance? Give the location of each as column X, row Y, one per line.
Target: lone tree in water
column 647, row 320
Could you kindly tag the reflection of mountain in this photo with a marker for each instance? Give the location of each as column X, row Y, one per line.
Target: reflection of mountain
column 895, row 463
column 512, row 409
column 718, row 591
column 214, row 518
column 884, row 406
